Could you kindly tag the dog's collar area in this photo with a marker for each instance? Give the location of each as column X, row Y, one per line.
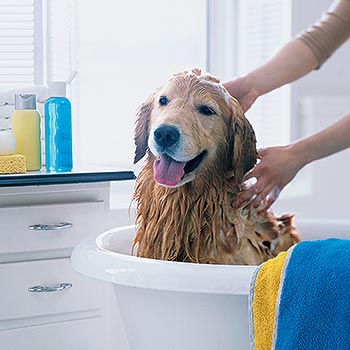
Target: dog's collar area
column 193, row 164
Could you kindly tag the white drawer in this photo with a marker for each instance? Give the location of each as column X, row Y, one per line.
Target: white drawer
column 82, row 219
column 72, row 335
column 17, row 302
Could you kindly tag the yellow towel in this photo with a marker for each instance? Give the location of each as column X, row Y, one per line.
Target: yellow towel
column 265, row 291
column 13, row 164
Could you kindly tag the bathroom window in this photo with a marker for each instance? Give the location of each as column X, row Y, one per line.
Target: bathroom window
column 126, row 54
column 37, row 42
column 21, row 56
column 122, row 55
column 264, row 26
column 242, row 35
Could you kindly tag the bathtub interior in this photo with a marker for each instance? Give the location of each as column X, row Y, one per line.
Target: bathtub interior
column 118, row 240
column 315, row 229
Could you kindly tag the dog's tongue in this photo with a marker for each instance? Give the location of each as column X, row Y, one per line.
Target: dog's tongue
column 168, row 171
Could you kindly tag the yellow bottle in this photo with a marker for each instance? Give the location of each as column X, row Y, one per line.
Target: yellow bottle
column 26, row 129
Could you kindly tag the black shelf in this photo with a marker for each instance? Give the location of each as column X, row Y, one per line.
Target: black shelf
column 42, row 178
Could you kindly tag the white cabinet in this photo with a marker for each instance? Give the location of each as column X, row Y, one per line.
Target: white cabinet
column 47, row 227
column 46, row 287
column 65, row 335
column 43, row 302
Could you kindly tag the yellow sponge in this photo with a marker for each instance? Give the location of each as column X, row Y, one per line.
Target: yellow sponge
column 13, row 164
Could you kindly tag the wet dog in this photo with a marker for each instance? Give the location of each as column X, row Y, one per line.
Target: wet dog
column 194, row 136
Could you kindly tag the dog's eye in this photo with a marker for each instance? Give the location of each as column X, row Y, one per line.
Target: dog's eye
column 206, row 110
column 163, row 100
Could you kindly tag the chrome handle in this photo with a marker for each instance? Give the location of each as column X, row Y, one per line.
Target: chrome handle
column 55, row 227
column 49, row 289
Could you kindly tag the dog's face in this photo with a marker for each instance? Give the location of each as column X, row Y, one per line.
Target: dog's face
column 194, row 127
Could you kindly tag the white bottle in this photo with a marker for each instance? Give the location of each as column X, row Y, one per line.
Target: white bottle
column 7, row 139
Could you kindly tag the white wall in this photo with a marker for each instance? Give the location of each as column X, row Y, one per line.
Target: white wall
column 319, row 193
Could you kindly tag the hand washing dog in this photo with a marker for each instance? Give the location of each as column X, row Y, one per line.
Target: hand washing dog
column 193, row 134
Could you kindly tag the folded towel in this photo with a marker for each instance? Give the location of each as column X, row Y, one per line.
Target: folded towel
column 6, row 111
column 262, row 301
column 312, row 309
column 7, row 98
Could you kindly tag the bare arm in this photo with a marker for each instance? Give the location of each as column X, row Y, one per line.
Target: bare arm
column 291, row 62
column 333, row 139
column 298, row 57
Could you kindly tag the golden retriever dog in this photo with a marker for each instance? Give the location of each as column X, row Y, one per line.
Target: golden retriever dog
column 194, row 136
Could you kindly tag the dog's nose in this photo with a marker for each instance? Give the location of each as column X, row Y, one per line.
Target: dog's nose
column 166, row 135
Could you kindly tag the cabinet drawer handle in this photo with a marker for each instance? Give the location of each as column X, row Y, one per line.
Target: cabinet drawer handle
column 46, row 289
column 55, row 227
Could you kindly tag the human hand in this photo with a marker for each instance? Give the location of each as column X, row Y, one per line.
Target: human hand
column 277, row 167
column 243, row 90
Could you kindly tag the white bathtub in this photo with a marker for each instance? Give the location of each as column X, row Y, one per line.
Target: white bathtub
column 170, row 305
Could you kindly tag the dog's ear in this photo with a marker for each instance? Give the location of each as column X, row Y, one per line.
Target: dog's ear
column 141, row 131
column 243, row 146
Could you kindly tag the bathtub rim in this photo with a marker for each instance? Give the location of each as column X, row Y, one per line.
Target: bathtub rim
column 91, row 258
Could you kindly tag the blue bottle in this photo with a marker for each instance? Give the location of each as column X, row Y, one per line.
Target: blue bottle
column 58, row 130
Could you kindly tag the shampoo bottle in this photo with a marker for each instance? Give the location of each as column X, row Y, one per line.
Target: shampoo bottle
column 58, row 129
column 26, row 129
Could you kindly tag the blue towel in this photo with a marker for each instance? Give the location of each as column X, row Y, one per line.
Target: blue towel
column 313, row 305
